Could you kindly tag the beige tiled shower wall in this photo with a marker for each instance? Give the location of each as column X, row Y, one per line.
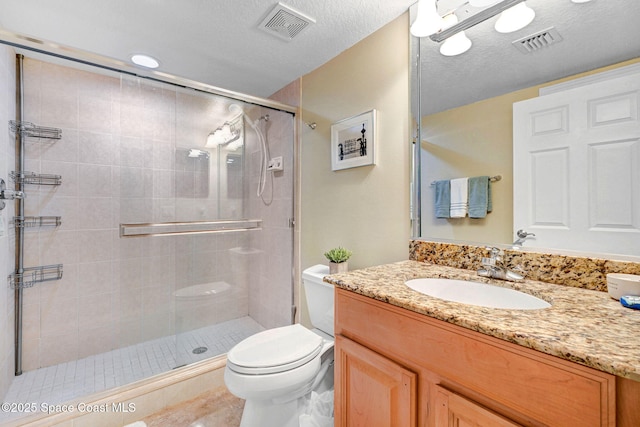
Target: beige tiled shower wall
column 118, row 163
column 7, row 161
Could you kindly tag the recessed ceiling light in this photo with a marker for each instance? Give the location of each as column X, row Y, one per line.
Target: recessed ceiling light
column 145, row 61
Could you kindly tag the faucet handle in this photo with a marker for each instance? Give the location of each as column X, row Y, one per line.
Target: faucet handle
column 495, row 252
column 488, row 262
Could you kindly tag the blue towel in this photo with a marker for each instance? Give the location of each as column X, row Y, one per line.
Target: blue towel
column 479, row 197
column 443, row 198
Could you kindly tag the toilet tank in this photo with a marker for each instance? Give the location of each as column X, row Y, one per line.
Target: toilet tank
column 319, row 297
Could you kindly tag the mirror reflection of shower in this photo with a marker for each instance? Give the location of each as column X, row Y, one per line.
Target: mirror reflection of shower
column 231, row 135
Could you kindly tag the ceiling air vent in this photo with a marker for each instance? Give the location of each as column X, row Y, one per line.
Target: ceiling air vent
column 537, row 41
column 285, row 22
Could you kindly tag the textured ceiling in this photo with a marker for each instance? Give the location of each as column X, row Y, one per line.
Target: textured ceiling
column 211, row 41
column 594, row 34
column 218, row 42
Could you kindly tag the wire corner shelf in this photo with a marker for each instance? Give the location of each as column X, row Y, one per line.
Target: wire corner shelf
column 35, row 179
column 36, row 221
column 29, row 129
column 32, row 275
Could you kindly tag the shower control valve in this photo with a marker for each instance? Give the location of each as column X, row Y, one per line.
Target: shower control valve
column 275, row 164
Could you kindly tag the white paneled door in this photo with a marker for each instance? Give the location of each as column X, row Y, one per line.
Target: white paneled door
column 576, row 167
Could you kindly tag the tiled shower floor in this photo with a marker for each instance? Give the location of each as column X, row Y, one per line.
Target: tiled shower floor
column 71, row 380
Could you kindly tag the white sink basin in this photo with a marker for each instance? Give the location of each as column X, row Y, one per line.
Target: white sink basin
column 475, row 293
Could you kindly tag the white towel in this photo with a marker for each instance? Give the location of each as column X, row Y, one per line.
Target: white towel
column 459, row 198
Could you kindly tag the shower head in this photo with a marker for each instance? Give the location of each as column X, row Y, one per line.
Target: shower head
column 235, row 109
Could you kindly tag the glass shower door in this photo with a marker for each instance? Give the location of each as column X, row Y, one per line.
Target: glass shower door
column 219, row 297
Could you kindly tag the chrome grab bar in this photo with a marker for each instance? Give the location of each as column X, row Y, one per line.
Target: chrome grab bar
column 191, row 227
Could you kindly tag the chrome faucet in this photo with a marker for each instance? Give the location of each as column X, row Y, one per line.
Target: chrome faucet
column 493, row 267
column 522, row 236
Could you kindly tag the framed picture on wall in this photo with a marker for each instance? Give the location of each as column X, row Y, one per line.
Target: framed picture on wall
column 353, row 141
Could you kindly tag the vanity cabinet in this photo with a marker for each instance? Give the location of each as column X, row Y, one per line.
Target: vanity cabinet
column 395, row 367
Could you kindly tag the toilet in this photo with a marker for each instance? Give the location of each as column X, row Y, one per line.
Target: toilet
column 275, row 370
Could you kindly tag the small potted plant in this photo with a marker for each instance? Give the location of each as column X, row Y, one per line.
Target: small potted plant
column 338, row 259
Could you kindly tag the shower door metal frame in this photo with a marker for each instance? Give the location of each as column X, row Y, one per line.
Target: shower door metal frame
column 47, row 48
column 19, row 209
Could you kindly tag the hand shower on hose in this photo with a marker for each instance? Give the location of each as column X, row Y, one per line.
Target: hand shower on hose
column 264, row 156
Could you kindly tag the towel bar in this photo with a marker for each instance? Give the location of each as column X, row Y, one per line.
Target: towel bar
column 185, row 228
column 492, row 179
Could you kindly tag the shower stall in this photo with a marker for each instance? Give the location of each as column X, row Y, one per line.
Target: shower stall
column 156, row 229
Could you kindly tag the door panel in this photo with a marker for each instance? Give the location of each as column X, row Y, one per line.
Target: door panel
column 371, row 390
column 577, row 167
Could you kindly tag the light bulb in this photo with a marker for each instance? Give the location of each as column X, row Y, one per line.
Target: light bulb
column 458, row 43
column 515, row 18
column 427, row 20
column 235, row 109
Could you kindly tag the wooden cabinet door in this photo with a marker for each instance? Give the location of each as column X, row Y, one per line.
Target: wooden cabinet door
column 371, row 390
column 453, row 410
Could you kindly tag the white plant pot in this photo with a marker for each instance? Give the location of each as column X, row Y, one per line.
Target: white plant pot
column 338, row 267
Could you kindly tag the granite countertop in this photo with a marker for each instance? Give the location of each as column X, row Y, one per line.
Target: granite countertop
column 584, row 326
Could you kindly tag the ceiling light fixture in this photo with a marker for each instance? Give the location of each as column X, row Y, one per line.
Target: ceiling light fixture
column 456, row 44
column 427, row 21
column 580, row 1
column 145, row 61
column 473, row 20
column 482, row 3
column 514, row 18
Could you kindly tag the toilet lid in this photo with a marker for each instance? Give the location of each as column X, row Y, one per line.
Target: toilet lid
column 275, row 350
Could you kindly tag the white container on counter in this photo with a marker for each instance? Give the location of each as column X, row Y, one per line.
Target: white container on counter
column 620, row 284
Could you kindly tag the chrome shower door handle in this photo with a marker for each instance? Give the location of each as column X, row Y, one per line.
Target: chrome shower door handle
column 8, row 194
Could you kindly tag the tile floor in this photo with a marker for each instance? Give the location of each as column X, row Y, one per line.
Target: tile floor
column 71, row 380
column 216, row 408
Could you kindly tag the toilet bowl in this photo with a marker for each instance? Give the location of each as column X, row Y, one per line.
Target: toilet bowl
column 274, row 370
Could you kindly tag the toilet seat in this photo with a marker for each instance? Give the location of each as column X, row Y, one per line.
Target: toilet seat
column 275, row 350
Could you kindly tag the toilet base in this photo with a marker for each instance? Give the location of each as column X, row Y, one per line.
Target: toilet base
column 268, row 414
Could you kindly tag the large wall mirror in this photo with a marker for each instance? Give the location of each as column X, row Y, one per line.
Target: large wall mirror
column 464, row 107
